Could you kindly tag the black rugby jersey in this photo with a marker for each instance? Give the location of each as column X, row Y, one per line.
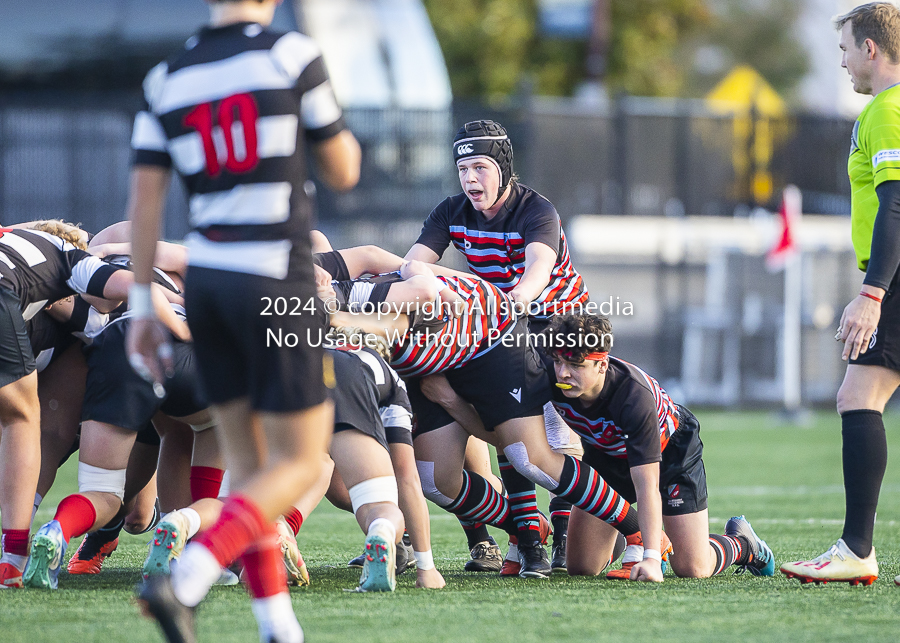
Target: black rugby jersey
column 41, row 268
column 632, row 418
column 393, row 402
column 231, row 112
column 495, row 249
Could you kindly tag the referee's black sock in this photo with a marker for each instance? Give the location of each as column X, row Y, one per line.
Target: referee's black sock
column 865, row 459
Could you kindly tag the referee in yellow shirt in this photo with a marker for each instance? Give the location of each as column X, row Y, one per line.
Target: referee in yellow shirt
column 870, row 325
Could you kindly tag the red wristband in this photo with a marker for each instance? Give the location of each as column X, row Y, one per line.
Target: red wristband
column 870, row 296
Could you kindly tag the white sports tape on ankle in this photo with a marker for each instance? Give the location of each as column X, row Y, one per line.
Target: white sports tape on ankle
column 381, row 489
column 91, row 478
column 197, row 428
column 517, row 454
column 429, row 487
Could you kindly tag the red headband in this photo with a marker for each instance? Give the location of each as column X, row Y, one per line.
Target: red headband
column 592, row 356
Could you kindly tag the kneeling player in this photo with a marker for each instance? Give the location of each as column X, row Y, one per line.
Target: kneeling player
column 649, row 450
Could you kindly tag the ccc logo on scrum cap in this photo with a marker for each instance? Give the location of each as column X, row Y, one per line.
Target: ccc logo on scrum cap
column 464, row 149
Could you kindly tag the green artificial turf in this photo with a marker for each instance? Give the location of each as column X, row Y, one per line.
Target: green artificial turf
column 786, row 479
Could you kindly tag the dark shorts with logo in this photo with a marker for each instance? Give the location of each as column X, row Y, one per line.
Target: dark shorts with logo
column 682, row 476
column 884, row 347
column 503, row 384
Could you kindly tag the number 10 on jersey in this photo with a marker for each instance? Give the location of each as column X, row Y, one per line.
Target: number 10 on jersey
column 236, row 132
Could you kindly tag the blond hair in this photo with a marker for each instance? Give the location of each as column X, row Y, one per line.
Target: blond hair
column 875, row 21
column 65, row 231
column 357, row 338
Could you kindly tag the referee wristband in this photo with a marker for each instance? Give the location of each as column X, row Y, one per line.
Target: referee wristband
column 870, row 296
column 424, row 560
column 654, row 554
column 140, row 301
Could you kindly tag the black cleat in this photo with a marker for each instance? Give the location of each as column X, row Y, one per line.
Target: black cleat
column 357, row 562
column 559, row 553
column 534, row 561
column 486, row 557
column 175, row 620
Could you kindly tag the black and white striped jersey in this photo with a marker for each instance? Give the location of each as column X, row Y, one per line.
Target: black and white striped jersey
column 231, row 112
column 393, row 401
column 41, row 268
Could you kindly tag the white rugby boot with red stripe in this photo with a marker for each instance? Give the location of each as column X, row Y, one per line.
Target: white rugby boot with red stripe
column 837, row 565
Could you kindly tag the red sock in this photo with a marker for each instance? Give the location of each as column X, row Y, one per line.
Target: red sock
column 205, row 482
column 295, row 519
column 263, row 567
column 240, row 524
column 15, row 541
column 76, row 514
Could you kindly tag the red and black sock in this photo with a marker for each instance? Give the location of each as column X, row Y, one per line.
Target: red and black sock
column 478, row 501
column 263, row 566
column 560, row 510
column 476, row 532
column 581, row 485
column 294, row 519
column 522, row 501
column 865, row 460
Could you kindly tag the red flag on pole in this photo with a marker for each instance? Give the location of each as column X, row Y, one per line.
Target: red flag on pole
column 785, row 245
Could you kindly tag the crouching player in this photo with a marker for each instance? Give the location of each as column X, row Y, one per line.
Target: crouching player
column 648, row 449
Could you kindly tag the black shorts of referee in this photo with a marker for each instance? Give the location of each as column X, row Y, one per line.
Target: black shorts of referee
column 116, row 395
column 355, row 397
column 503, row 384
column 884, row 347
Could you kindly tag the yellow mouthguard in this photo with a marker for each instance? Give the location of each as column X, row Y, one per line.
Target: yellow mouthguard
column 564, row 387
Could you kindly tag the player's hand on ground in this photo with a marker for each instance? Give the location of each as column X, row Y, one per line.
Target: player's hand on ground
column 149, row 351
column 648, row 571
column 858, row 323
column 429, row 579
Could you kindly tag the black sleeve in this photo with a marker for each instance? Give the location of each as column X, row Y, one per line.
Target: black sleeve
column 885, row 255
column 541, row 225
column 435, row 233
column 635, row 415
column 87, row 273
column 333, row 263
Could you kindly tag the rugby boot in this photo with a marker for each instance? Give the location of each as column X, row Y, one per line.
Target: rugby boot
column 91, row 553
column 634, row 553
column 485, row 557
column 761, row 561
column 48, row 549
column 167, row 544
column 379, row 565
column 406, row 557
column 559, row 553
column 511, row 566
column 357, row 563
column 157, row 600
column 533, row 561
column 10, row 576
column 837, row 565
column 297, row 574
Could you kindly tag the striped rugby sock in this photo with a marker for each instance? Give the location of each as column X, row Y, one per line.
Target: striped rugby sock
column 581, row 485
column 522, row 498
column 729, row 550
column 478, row 501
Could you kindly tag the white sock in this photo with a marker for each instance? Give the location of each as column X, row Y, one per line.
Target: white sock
column 38, row 498
column 276, row 619
column 195, row 574
column 384, row 528
column 633, row 554
column 15, row 560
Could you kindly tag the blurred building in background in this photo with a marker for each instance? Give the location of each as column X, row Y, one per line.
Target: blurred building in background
column 659, row 196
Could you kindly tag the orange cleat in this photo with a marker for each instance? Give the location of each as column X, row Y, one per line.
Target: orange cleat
column 634, row 553
column 88, row 559
column 10, row 576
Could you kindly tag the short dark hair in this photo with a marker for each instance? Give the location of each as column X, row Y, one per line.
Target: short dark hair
column 875, row 21
column 574, row 337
